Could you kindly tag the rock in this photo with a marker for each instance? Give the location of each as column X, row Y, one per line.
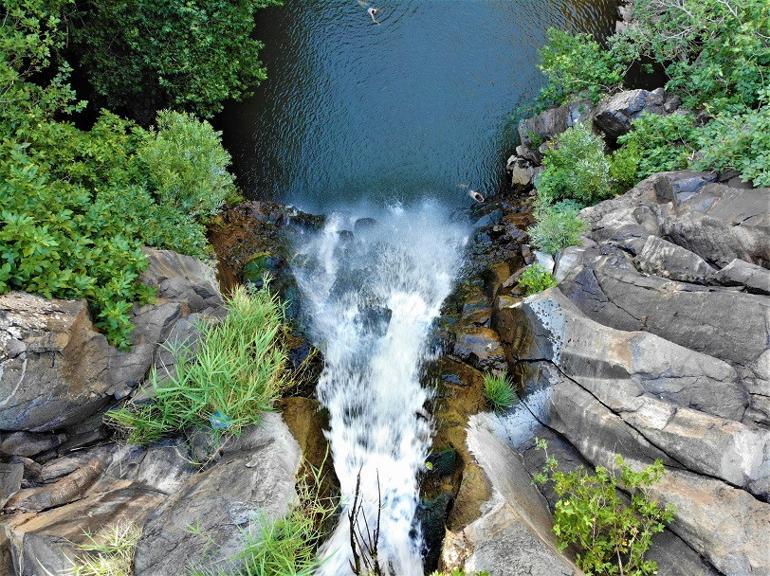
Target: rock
column 614, row 114
column 260, row 267
column 522, row 172
column 63, row 491
column 10, row 480
column 28, row 443
column 662, row 258
column 42, row 544
column 513, row 535
column 480, row 347
column 721, row 224
column 60, row 371
column 258, row 470
column 182, row 279
column 548, row 326
column 57, row 370
column 431, row 516
column 534, row 132
column 719, row 322
column 362, row 225
column 740, row 273
column 545, row 260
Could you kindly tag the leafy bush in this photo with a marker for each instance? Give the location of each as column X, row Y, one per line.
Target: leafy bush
column 659, row 143
column 234, row 376
column 186, row 165
column 575, row 65
column 624, row 164
column 77, row 206
column 499, row 391
column 738, row 141
column 536, row 278
column 575, row 168
column 715, row 52
column 150, row 54
column 557, row 227
column 108, row 553
column 611, row 537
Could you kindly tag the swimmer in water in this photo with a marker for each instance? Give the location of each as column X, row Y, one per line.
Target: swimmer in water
column 476, row 196
column 372, row 11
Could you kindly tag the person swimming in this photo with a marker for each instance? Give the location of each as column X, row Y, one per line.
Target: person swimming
column 477, row 196
column 372, row 11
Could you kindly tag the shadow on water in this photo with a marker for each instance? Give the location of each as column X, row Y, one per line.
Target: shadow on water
column 409, row 108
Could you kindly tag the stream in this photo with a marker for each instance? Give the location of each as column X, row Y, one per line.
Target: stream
column 385, row 128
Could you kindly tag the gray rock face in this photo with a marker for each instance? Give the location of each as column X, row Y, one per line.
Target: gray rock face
column 739, row 273
column 258, row 471
column 56, row 370
column 655, row 346
column 514, row 534
column 662, row 258
column 614, row 114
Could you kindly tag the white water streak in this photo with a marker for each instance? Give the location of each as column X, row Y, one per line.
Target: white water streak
column 370, row 384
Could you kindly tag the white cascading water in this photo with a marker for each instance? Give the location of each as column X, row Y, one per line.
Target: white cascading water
column 370, row 301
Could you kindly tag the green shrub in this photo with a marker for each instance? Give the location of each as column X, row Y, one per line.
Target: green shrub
column 499, row 391
column 624, row 165
column 575, row 168
column 716, row 53
column 77, row 206
column 557, row 227
column 610, row 536
column 232, row 378
column 150, row 54
column 536, row 278
column 186, row 165
column 661, row 143
column 575, row 65
column 738, row 141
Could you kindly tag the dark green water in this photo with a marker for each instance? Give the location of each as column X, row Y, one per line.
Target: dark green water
column 416, row 106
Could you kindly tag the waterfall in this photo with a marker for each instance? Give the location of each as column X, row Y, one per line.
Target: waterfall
column 370, row 299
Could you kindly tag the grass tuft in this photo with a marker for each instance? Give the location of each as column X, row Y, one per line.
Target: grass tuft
column 499, row 391
column 109, row 553
column 234, row 376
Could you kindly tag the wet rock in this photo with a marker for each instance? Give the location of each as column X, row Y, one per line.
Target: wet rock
column 431, row 516
column 740, row 273
column 480, row 347
column 513, row 535
column 362, row 225
column 258, row 469
column 614, row 114
column 662, row 258
column 260, row 267
column 375, row 319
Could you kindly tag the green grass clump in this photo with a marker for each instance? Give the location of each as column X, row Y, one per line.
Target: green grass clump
column 234, row 376
column 108, row 553
column 499, row 391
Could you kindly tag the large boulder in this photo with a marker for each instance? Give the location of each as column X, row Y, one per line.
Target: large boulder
column 514, row 534
column 614, row 114
column 202, row 526
column 56, row 370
